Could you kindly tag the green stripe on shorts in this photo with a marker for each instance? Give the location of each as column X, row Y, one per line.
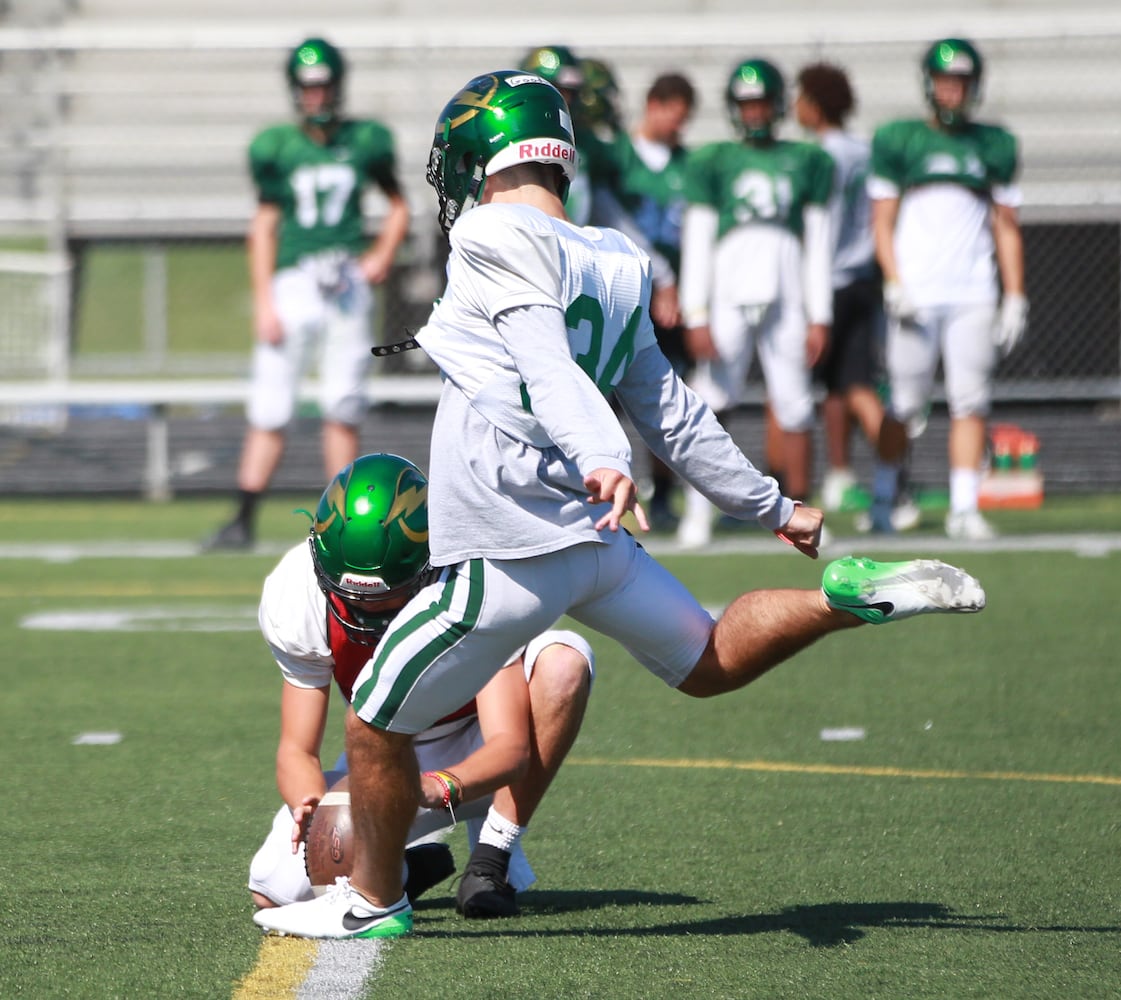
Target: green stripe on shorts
column 449, row 635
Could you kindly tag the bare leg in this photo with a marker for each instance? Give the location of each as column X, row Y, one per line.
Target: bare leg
column 774, row 447
column 384, row 796
column 892, row 443
column 967, row 442
column 340, row 446
column 865, row 408
column 758, row 631
column 835, row 420
column 260, row 455
column 799, row 457
column 558, row 695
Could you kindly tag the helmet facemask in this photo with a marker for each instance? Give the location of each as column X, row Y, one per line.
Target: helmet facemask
column 953, row 57
column 756, row 80
column 316, row 63
column 369, row 543
column 363, row 621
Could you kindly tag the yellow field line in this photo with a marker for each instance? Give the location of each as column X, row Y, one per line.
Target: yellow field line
column 282, row 965
column 851, row 770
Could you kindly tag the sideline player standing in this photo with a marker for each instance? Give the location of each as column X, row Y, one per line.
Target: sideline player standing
column 851, row 365
column 311, row 272
column 323, row 609
column 945, row 205
column 652, row 190
column 540, row 321
column 756, row 260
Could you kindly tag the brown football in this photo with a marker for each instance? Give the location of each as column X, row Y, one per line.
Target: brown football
column 330, row 838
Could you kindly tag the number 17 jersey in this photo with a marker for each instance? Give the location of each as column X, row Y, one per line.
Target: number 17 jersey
column 319, row 187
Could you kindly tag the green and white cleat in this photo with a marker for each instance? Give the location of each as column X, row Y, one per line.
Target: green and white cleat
column 879, row 592
column 342, row 912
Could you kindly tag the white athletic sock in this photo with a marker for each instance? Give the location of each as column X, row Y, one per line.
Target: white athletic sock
column 697, row 505
column 499, row 832
column 965, row 487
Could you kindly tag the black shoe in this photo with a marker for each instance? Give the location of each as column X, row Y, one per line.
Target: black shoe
column 484, row 892
column 428, row 864
column 234, row 535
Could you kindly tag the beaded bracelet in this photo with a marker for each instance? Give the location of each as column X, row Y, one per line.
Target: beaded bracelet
column 453, row 788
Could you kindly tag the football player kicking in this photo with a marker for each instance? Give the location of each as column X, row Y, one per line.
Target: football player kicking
column 322, row 610
column 539, row 322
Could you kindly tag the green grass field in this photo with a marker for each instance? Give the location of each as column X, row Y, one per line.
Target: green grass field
column 966, row 847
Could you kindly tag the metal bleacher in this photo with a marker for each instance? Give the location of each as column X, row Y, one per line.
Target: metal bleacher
column 127, row 120
column 119, row 118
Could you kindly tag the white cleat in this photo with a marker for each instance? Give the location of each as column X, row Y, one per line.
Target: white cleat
column 886, row 592
column 342, row 912
column 969, row 526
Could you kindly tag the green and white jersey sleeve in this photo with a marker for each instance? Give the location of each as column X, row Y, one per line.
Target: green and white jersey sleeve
column 946, row 183
column 510, row 256
column 319, row 187
column 524, row 414
column 759, row 196
column 292, row 616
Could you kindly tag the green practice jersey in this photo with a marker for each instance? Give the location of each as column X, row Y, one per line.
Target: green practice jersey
column 767, row 184
column 319, row 187
column 913, row 152
column 655, row 199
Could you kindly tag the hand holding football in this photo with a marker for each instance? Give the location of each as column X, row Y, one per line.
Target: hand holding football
column 329, row 851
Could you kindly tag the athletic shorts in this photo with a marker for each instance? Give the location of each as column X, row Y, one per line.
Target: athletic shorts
column 445, row 645
column 856, row 338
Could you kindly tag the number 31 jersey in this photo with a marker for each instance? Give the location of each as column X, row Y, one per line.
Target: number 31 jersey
column 319, row 187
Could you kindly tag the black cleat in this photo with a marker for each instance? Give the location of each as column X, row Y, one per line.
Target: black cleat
column 234, row 535
column 484, row 892
column 428, row 864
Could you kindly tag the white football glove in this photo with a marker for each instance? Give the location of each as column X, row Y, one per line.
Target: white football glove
column 897, row 303
column 1011, row 323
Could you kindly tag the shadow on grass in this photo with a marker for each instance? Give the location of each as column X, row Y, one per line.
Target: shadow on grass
column 822, row 925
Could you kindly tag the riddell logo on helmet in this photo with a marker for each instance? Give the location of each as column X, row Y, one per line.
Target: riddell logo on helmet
column 363, row 584
column 545, row 151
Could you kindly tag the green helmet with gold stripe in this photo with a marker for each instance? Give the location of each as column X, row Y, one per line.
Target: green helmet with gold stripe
column 496, row 121
column 369, row 540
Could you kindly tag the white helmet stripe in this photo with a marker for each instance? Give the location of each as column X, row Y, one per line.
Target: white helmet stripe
column 536, row 151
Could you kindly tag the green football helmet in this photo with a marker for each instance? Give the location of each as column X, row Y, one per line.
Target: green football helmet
column 599, row 96
column 953, row 57
column 497, row 121
column 369, row 541
column 316, row 62
column 557, row 64
column 751, row 80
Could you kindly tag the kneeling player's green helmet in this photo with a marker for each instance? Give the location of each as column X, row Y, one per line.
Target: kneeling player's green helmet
column 755, row 80
column 953, row 57
column 316, row 62
column 497, row 121
column 369, row 540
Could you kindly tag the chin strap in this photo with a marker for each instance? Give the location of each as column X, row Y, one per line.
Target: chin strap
column 387, row 350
